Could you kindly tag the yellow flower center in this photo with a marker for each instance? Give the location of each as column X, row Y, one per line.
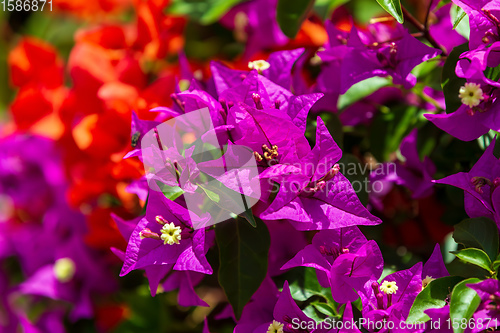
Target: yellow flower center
column 275, row 327
column 471, row 94
column 64, row 269
column 170, row 234
column 259, row 65
column 389, row 287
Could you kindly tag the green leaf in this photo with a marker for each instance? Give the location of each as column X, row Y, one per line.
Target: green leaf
column 388, row 130
column 204, row 11
column 460, row 16
column 481, row 233
column 291, row 14
column 492, row 73
column 360, row 90
column 172, row 192
column 243, row 252
column 217, row 10
column 304, row 284
column 464, row 302
column 460, row 25
column 475, row 257
column 393, row 7
column 451, row 83
column 324, row 8
column 313, row 313
column 495, row 265
column 324, row 308
column 211, row 194
column 432, row 296
column 486, row 139
column 248, row 215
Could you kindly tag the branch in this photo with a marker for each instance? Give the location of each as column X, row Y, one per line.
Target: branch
column 423, row 29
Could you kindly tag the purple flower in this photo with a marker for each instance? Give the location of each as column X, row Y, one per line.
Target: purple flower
column 349, row 323
column 480, row 185
column 165, row 236
column 185, row 282
column 286, row 241
column 31, row 178
column 313, row 194
column 254, row 22
column 395, row 58
column 259, row 310
column 164, row 274
column 73, row 277
column 434, row 268
column 280, row 67
column 489, row 309
column 479, row 111
column 413, row 173
column 442, row 29
column 138, row 129
column 265, row 313
column 343, row 258
column 391, row 299
column 50, row 321
column 256, row 90
column 438, row 320
column 483, row 21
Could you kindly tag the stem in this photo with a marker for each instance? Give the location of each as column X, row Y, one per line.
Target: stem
column 423, row 29
column 426, row 21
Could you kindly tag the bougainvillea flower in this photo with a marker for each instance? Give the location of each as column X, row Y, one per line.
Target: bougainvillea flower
column 286, row 241
column 480, row 106
column 393, row 297
column 279, row 316
column 349, row 322
column 138, row 129
column 256, row 90
column 442, row 315
column 480, row 185
column 259, row 310
column 165, row 236
column 396, row 59
column 49, row 321
column 163, row 277
column 344, row 258
column 483, row 21
column 254, row 22
column 185, row 281
column 254, row 128
column 74, row 276
column 442, row 29
column 350, row 271
column 413, row 173
column 234, row 86
column 434, row 268
column 280, row 67
column 488, row 310
column 10, row 322
column 313, row 194
column 461, row 124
